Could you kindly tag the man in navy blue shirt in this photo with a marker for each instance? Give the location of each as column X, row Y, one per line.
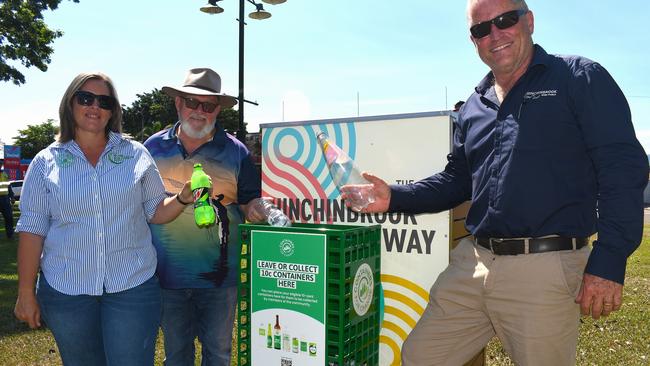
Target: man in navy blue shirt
column 546, row 151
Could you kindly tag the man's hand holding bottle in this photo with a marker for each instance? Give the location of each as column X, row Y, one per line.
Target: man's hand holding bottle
column 263, row 210
column 377, row 188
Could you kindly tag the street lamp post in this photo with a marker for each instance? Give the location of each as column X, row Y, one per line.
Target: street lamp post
column 241, row 131
column 259, row 13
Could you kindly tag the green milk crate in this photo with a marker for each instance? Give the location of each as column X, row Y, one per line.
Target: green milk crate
column 347, row 296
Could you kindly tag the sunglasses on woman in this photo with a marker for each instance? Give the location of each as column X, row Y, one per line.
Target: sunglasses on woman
column 87, row 99
column 206, row 107
column 503, row 21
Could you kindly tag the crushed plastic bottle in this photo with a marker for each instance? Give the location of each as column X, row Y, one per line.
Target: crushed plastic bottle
column 274, row 216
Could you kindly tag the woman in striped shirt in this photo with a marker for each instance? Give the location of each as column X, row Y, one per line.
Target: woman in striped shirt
column 85, row 205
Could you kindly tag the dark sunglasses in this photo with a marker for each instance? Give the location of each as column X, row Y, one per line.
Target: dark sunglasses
column 503, row 21
column 206, row 107
column 88, row 98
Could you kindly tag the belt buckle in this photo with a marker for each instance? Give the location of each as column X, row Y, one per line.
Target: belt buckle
column 526, row 242
column 496, row 240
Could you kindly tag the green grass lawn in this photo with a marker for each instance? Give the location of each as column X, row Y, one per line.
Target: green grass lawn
column 620, row 339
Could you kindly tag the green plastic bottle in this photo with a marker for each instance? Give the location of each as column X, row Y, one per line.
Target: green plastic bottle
column 204, row 214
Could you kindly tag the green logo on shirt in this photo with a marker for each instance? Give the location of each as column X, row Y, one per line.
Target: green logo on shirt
column 64, row 159
column 118, row 158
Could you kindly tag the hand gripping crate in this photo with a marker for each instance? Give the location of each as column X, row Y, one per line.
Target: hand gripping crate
column 309, row 295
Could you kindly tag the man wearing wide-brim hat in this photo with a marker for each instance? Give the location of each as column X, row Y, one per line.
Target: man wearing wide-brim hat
column 202, row 81
column 197, row 267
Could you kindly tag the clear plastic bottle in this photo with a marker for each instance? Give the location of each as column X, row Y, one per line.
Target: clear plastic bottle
column 286, row 340
column 274, row 216
column 344, row 172
column 204, row 214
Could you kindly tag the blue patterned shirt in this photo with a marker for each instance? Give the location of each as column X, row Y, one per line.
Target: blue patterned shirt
column 193, row 257
column 93, row 219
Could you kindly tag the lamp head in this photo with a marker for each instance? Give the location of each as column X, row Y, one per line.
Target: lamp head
column 260, row 13
column 212, row 7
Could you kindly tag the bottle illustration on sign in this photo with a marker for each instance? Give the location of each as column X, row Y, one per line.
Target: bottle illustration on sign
column 303, row 344
column 204, row 214
column 344, row 172
column 294, row 345
column 277, row 334
column 269, row 337
column 286, row 340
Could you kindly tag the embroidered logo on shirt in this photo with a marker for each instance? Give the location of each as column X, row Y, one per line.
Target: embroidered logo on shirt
column 64, row 159
column 538, row 94
column 117, row 158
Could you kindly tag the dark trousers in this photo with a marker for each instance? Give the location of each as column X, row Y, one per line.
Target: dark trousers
column 8, row 215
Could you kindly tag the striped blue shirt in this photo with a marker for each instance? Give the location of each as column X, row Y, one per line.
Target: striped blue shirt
column 93, row 219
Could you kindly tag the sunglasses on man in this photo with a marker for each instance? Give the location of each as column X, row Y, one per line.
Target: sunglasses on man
column 206, row 107
column 503, row 21
column 87, row 99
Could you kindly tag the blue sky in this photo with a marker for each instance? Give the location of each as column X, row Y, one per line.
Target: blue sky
column 312, row 58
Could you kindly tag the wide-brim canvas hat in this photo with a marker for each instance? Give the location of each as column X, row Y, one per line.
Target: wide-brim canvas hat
column 202, row 81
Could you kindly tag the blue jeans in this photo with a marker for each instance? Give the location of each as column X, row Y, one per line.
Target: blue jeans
column 208, row 313
column 111, row 329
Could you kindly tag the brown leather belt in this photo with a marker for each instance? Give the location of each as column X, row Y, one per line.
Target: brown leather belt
column 506, row 246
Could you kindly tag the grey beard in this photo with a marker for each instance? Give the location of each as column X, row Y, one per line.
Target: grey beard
column 189, row 131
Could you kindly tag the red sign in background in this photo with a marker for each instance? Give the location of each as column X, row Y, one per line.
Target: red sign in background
column 12, row 161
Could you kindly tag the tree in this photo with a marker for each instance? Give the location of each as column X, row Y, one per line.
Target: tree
column 24, row 36
column 35, row 138
column 229, row 120
column 148, row 114
column 155, row 110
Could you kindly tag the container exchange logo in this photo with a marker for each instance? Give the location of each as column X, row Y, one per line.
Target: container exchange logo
column 286, row 248
column 362, row 289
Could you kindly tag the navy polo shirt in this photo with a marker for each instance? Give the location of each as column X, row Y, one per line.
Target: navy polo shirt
column 557, row 157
